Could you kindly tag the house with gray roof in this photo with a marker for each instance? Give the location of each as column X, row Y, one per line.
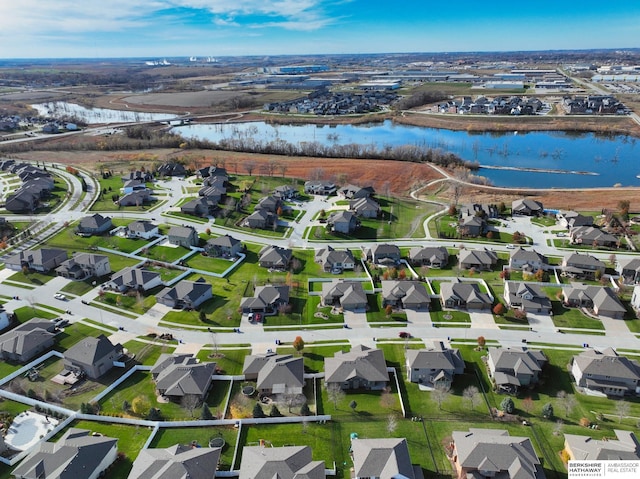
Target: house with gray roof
column 360, row 368
column 348, row 295
column 186, row 294
column 463, row 295
column 76, row 455
column 606, row 372
column 275, row 373
column 26, row 341
column 584, row 266
column 142, row 229
column 528, row 260
column 225, row 246
column 202, row 207
column 432, row 256
column 83, row 266
column 171, row 168
column 527, row 207
column 180, row 375
column 92, row 356
column 94, row 225
column 512, row 368
column 406, row 295
column 324, row 188
column 365, row 207
column 629, row 270
column 135, row 198
column 479, row 259
column 269, row 203
column 434, row 366
column 212, row 171
column 584, row 448
column 266, row 299
column 285, row 192
column 275, row 257
column 345, row 222
column 260, row 219
column 383, row 458
column 135, row 279
column 185, row 236
column 286, row 462
column 601, row 300
column 384, row 253
column 588, row 235
column 528, row 297
column 471, row 225
column 481, row 453
column 335, row 261
column 42, row 259
column 352, row 192
column 176, row 462
column 572, row 219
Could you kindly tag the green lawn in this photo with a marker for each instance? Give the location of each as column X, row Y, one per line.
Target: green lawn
column 25, row 313
column 137, row 303
column 73, row 333
column 165, row 253
column 32, row 277
column 229, row 361
column 146, row 353
column 572, row 318
column 207, row 263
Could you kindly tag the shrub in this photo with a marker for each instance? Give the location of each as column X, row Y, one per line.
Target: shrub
column 507, row 405
column 547, row 411
column 275, row 412
column 257, row 411
column 584, row 422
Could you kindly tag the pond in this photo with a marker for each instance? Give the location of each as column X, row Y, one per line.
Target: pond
column 550, row 159
column 57, row 109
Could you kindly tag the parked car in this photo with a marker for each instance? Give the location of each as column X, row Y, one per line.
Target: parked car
column 60, row 296
column 404, row 335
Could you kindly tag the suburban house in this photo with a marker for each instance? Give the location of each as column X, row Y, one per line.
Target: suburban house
column 136, row 279
column 360, row 368
column 527, row 207
column 135, row 198
column 365, row 207
column 223, row 247
column 482, row 210
column 480, row 259
column 512, row 368
column 285, row 192
column 482, row 453
column 406, row 295
column 27, row 340
column 334, row 261
column 186, row 294
column 471, row 225
column 435, row 366
column 142, row 229
column 94, row 225
column 463, row 295
column 605, row 372
column 22, row 201
column 383, row 458
column 528, row 260
column 601, row 300
column 42, row 260
column 202, row 207
column 591, row 236
column 83, row 266
column 319, row 188
column 177, row 461
column 138, row 175
column 266, row 299
column 92, row 356
column 384, row 253
column 348, row 295
column 585, row 266
column 572, row 219
column 275, row 257
column 352, row 192
column 629, row 271
column 345, row 222
column 213, row 171
column 275, row 373
column 215, row 192
column 526, row 296
column 260, row 219
column 77, row 454
column 180, row 375
column 584, row 448
column 269, row 203
column 432, row 256
column 185, row 236
column 171, row 169
column 286, row 462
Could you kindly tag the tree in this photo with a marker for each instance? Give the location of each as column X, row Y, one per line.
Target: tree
column 190, row 402
column 498, row 309
column 304, row 410
column 275, row 412
column 520, row 314
column 154, row 414
column 206, row 415
column 335, row 394
column 140, row 406
column 257, row 411
column 298, row 344
column 126, row 406
column 249, row 166
column 387, row 400
column 481, row 342
column 622, row 409
column 388, row 310
column 507, row 405
column 202, row 316
column 527, row 404
column 471, row 394
column 566, row 402
column 353, row 405
column 392, row 423
column 440, row 394
column 547, row 411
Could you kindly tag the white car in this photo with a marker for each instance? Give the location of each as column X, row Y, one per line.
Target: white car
column 510, row 246
column 60, row 296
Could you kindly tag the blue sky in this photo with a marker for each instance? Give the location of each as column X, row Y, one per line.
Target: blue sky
column 169, row 28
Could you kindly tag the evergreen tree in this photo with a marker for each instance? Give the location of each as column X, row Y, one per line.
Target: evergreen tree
column 257, row 411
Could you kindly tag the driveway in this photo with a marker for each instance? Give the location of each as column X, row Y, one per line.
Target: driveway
column 418, row 318
column 540, row 322
column 356, row 319
column 482, row 320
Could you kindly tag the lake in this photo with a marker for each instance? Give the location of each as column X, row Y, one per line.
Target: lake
column 553, row 159
column 57, row 109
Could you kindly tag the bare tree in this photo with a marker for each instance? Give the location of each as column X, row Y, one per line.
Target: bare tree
column 282, row 168
column 557, row 429
column 316, row 174
column 190, row 402
column 335, row 394
column 440, row 394
column 471, row 394
column 622, row 409
column 567, row 402
column 291, row 400
column 249, row 166
column 392, row 423
column 272, row 165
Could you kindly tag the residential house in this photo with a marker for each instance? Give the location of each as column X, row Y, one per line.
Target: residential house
column 260, row 219
column 186, row 294
column 77, row 454
column 83, row 266
column 528, row 297
column 182, row 375
column 171, row 169
column 214, row 193
column 625, row 447
column 434, row 367
column 606, row 372
column 483, row 453
column 528, row 260
column 22, row 202
column 213, row 171
column 360, row 368
column 572, row 219
column 266, row 299
column 26, row 341
column 345, row 222
column 142, row 229
column 319, row 188
column 286, row 462
column 269, row 203
column 471, row 225
column 225, row 246
column 132, row 185
column 383, row 458
column 136, row 279
column 275, row 373
column 601, row 300
column 588, row 235
column 92, row 356
column 635, row 298
column 334, row 261
column 432, row 256
column 512, row 368
column 629, row 270
column 139, row 175
column 479, row 259
column 583, row 266
column 482, row 210
column 527, row 207
column 365, row 207
column 42, row 260
column 285, row 192
column 177, row 461
column 352, row 192
column 275, row 257
column 94, row 225
column 463, row 295
column 406, row 295
column 348, row 295
column 185, row 236
column 202, row 207
column 384, row 253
